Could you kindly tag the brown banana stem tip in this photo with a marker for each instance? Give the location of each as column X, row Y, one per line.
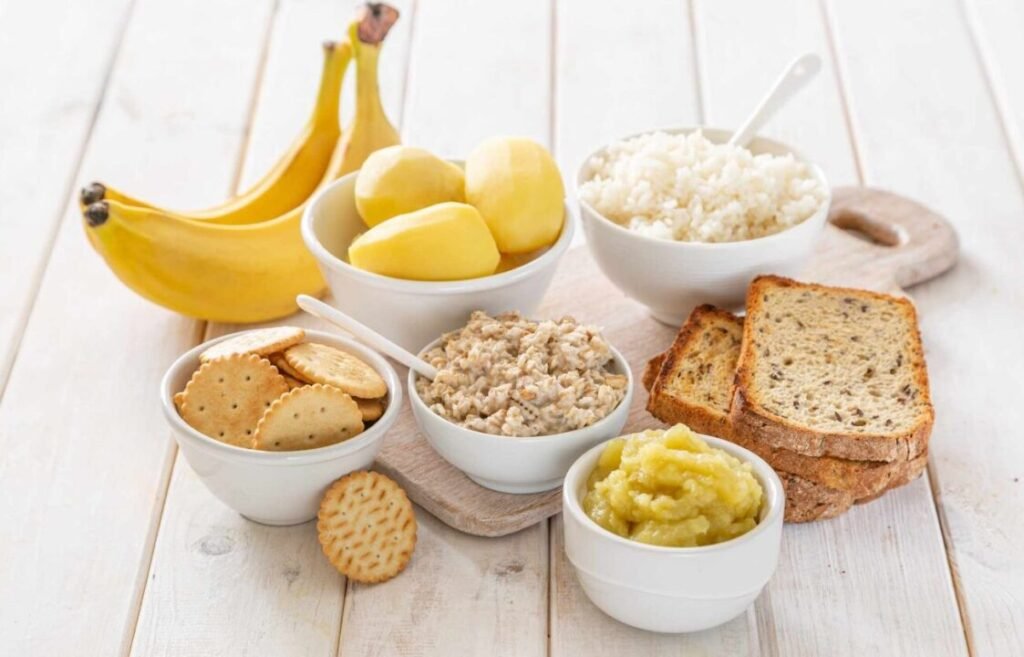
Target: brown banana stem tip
column 97, row 214
column 329, row 45
column 93, row 192
column 375, row 20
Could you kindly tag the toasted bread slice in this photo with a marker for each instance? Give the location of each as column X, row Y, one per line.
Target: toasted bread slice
column 693, row 385
column 827, row 371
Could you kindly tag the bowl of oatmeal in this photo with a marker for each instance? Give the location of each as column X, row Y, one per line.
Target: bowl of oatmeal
column 677, row 218
column 516, row 401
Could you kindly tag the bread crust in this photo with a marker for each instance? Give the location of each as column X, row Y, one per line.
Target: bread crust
column 807, row 501
column 663, row 405
column 749, row 418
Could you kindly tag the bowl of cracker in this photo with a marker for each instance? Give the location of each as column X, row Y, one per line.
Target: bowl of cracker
column 269, row 418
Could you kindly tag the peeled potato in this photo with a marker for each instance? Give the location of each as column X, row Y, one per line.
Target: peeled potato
column 444, row 242
column 517, row 188
column 401, row 179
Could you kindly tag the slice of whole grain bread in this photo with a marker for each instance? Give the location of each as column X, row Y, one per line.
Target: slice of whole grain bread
column 829, row 371
column 692, row 383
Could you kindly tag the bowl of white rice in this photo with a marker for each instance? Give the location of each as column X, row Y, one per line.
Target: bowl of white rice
column 677, row 218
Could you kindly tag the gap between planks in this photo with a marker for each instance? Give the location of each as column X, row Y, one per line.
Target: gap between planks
column 831, row 35
column 37, row 274
column 200, row 332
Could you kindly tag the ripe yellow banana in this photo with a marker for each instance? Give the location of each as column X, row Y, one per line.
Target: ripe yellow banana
column 369, row 129
column 237, row 273
column 295, row 176
column 232, row 274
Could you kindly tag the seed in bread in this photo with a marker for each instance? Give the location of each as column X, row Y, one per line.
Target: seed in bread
column 832, row 371
column 367, row 527
column 694, row 386
column 323, row 364
column 260, row 341
column 226, row 397
column 307, row 418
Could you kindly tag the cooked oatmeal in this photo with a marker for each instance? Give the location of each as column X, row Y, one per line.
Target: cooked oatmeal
column 510, row 376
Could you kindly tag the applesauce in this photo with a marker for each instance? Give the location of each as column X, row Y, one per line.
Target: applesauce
column 670, row 488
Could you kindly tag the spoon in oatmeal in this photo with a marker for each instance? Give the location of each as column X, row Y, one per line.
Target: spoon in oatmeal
column 365, row 334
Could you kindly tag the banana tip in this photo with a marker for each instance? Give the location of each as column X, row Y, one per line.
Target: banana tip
column 97, row 214
column 92, row 193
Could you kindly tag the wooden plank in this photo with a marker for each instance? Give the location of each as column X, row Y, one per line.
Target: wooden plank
column 995, row 29
column 209, row 563
column 947, row 150
column 460, row 595
column 622, row 70
column 54, row 73
column 874, row 580
column 86, row 451
column 476, row 70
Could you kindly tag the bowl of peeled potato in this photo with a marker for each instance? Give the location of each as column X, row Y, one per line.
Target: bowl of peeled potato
column 412, row 243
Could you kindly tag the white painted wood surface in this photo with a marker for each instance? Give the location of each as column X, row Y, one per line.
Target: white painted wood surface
column 856, row 574
column 86, row 454
column 43, row 130
column 972, row 181
column 112, row 546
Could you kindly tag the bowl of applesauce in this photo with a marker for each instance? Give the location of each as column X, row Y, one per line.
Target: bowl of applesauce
column 671, row 531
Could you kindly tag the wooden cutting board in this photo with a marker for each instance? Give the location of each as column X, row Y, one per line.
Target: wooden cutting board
column 875, row 240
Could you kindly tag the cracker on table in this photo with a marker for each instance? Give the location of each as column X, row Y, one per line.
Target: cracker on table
column 282, row 365
column 226, row 397
column 367, row 527
column 323, row 364
column 260, row 341
column 306, row 418
column 371, row 409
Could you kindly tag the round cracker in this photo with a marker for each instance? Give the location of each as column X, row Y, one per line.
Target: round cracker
column 282, row 365
column 367, row 527
column 226, row 397
column 261, row 342
column 292, row 382
column 371, row 409
column 323, row 364
column 307, row 418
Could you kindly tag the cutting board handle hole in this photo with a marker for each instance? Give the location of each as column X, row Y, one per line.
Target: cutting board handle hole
column 867, row 228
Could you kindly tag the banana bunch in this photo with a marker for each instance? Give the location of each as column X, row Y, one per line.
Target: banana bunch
column 244, row 260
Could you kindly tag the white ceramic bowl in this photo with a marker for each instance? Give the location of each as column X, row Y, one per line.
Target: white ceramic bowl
column 670, row 277
column 513, row 464
column 277, row 488
column 411, row 313
column 665, row 589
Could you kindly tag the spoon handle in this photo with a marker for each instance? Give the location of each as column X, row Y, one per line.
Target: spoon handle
column 799, row 72
column 365, row 334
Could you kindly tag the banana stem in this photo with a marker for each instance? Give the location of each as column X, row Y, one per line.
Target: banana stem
column 336, row 59
column 367, row 32
column 375, row 20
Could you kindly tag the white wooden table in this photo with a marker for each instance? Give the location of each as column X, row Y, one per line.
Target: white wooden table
column 110, row 545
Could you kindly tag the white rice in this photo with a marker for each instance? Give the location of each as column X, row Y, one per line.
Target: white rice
column 686, row 188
